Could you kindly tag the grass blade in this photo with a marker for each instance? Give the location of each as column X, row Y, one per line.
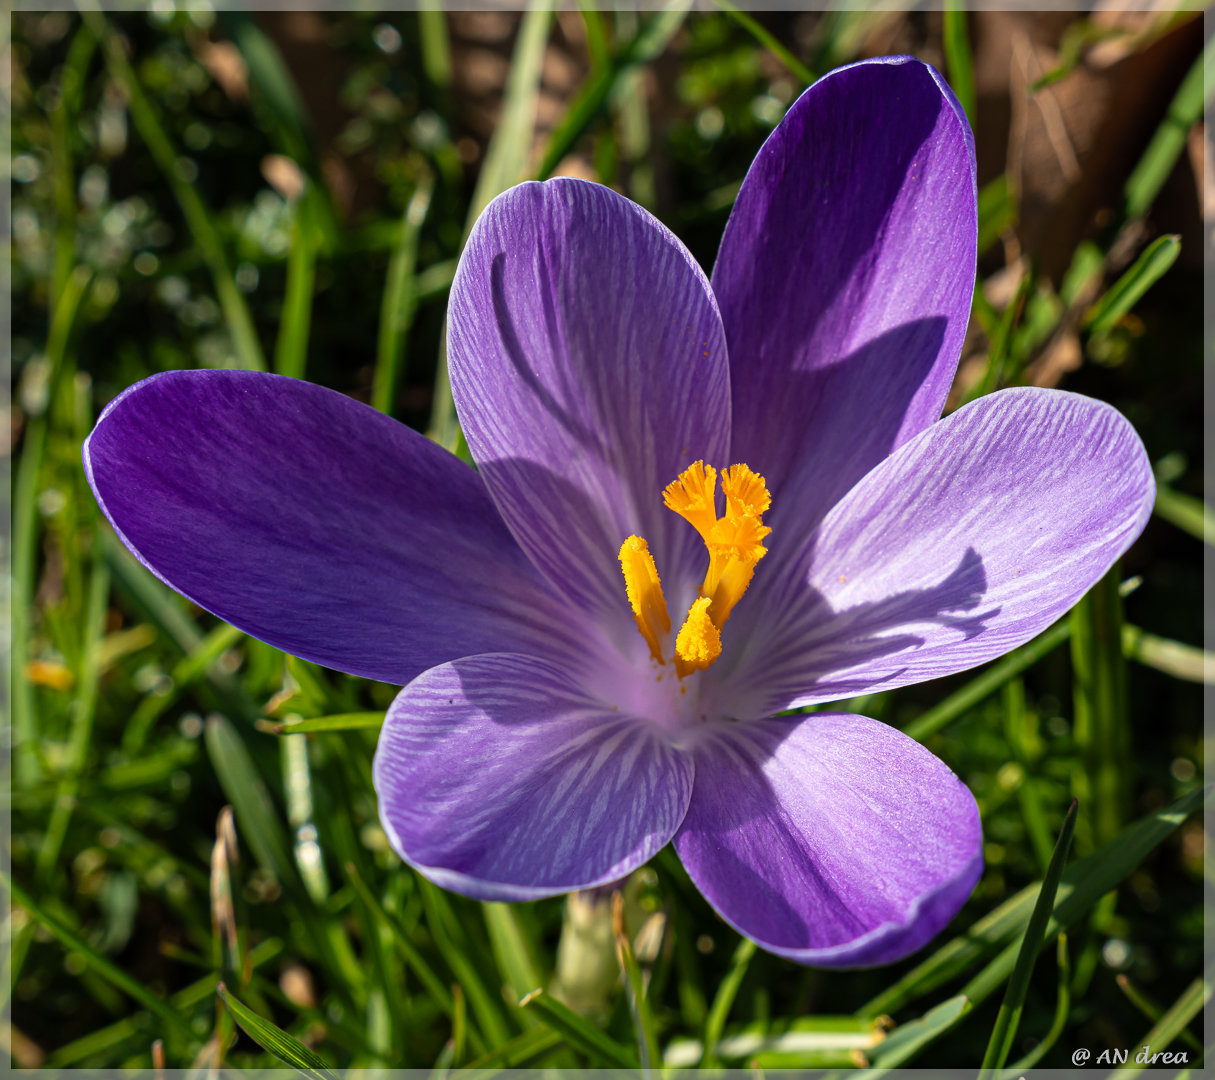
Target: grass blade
column 1020, row 730
column 801, row 1043
column 400, row 299
column 959, row 65
column 436, row 47
column 1167, row 144
column 504, row 165
column 64, row 118
column 649, row 43
column 909, row 1039
column 597, row 47
column 988, row 682
column 1172, row 657
column 1009, row 1017
column 804, row 75
column 1186, row 512
column 256, row 813
column 187, row 671
column 25, row 525
column 1001, row 340
column 270, row 75
column 338, row 722
column 82, row 724
column 647, row 1039
column 516, row 953
column 997, row 212
column 1082, row 885
column 1102, row 724
column 291, row 346
column 274, row 1040
column 512, row 1054
column 581, row 1034
column 1168, row 1027
column 159, row 603
column 1152, row 1011
column 506, row 157
column 1087, row 881
column 487, row 1007
column 109, row 971
column 409, row 952
column 194, row 210
column 723, row 1001
column 1146, row 270
column 79, row 1051
column 1063, row 1006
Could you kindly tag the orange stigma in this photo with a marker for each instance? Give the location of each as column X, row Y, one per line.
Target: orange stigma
column 735, row 546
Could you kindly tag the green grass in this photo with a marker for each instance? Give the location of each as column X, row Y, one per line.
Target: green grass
column 284, row 931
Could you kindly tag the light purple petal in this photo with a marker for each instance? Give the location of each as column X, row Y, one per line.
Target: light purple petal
column 588, row 365
column 832, row 840
column 498, row 778
column 968, row 541
column 315, row 523
column 844, row 278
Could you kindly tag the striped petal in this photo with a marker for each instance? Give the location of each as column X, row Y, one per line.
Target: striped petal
column 845, row 278
column 969, row 540
column 500, row 779
column 315, row 523
column 588, row 365
column 831, row 840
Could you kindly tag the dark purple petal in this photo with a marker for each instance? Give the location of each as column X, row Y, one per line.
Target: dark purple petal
column 832, row 840
column 315, row 523
column 966, row 542
column 588, row 365
column 845, row 278
column 498, row 778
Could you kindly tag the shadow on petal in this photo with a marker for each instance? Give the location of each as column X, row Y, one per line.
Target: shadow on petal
column 770, row 669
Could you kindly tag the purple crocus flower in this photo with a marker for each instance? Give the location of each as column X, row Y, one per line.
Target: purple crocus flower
column 595, row 644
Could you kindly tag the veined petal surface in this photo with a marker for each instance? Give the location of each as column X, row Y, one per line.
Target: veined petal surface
column 969, row 540
column 315, row 523
column 844, row 279
column 832, row 840
column 498, row 778
column 589, row 370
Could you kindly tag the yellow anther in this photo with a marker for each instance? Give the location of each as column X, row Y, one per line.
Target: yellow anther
column 645, row 593
column 745, row 491
column 735, row 543
column 698, row 643
column 694, row 497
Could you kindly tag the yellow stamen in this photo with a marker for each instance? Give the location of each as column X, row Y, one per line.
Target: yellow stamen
column 745, row 491
column 698, row 643
column 693, row 497
column 645, row 593
column 736, row 544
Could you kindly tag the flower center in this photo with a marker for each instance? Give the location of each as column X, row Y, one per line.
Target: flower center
column 735, row 543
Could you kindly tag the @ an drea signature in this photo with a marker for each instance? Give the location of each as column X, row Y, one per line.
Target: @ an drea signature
column 1145, row 1056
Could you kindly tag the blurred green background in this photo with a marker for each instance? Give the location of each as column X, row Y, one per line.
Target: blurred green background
column 289, row 191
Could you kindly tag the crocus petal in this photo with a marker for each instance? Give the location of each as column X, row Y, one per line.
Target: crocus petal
column 498, row 778
column 845, row 278
column 588, row 366
column 314, row 523
column 968, row 541
column 832, row 840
